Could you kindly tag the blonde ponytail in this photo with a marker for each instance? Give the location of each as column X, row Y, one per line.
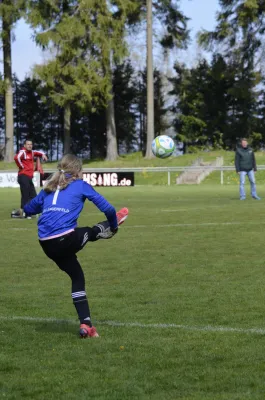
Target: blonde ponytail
column 69, row 169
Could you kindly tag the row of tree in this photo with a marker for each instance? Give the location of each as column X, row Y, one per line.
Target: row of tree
column 227, row 100
column 210, row 105
column 217, row 103
column 86, row 99
column 37, row 116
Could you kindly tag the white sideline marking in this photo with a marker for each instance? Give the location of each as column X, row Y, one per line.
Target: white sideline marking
column 183, row 209
column 17, row 219
column 195, row 224
column 207, row 328
column 191, row 209
column 175, row 225
column 20, row 229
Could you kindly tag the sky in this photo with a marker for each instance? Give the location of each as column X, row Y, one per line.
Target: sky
column 25, row 53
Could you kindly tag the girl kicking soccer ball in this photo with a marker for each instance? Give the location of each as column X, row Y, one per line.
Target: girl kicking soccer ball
column 60, row 203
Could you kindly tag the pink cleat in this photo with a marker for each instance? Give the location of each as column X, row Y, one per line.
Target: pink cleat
column 122, row 215
column 85, row 331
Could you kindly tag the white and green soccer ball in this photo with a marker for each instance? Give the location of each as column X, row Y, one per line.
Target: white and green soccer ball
column 163, row 146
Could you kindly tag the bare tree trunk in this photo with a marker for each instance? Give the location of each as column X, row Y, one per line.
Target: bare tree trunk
column 112, row 146
column 141, row 131
column 112, row 152
column 9, row 120
column 67, row 129
column 17, row 118
column 52, row 130
column 58, row 141
column 150, row 82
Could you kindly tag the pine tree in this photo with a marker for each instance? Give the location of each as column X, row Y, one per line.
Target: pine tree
column 188, row 89
column 121, row 14
column 216, row 103
column 125, row 98
column 85, row 35
column 36, row 116
column 141, row 108
column 89, row 132
column 239, row 31
column 240, row 26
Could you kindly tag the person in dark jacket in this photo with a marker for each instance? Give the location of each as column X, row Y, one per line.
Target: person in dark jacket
column 245, row 164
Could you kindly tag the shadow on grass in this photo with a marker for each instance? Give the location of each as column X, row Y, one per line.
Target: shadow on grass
column 58, row 327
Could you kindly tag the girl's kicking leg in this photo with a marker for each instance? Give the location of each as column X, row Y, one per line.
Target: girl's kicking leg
column 62, row 251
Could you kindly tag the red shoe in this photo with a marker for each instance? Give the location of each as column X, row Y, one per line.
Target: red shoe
column 122, row 215
column 85, row 331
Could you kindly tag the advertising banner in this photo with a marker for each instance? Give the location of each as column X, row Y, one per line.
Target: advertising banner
column 113, row 179
column 9, row 179
column 105, row 179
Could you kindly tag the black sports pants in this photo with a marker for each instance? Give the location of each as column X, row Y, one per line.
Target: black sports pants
column 27, row 189
column 62, row 251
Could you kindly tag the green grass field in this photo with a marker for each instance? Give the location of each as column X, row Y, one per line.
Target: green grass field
column 178, row 298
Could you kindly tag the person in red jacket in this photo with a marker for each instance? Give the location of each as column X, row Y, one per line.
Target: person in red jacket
column 25, row 162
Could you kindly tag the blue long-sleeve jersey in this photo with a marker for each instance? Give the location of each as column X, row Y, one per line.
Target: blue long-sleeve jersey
column 61, row 209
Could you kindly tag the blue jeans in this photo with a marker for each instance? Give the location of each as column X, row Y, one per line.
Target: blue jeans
column 251, row 177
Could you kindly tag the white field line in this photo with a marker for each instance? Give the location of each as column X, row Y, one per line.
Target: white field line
column 36, row 218
column 207, row 328
column 195, row 224
column 183, row 209
column 20, row 229
column 169, row 225
column 191, row 209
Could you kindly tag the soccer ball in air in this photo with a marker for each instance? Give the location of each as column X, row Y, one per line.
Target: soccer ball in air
column 163, row 146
